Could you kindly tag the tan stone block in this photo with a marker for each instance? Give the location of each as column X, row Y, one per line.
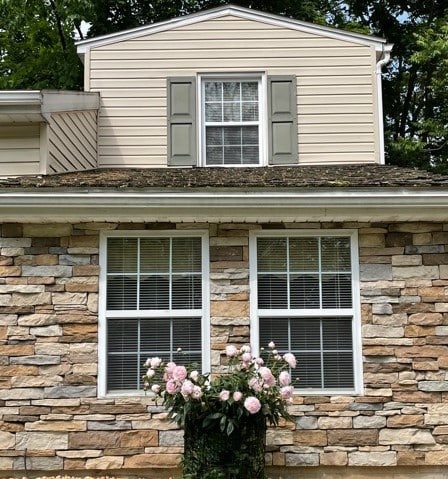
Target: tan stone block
column 310, row 438
column 410, row 458
column 419, row 239
column 407, row 260
column 101, row 439
column 45, row 259
column 434, row 458
column 335, row 458
column 421, row 272
column 139, row 438
column 74, row 464
column 86, row 270
column 35, row 381
column 69, row 298
column 426, row 365
column 56, row 426
column 372, row 459
column 405, row 436
column 152, row 460
column 278, row 459
column 372, row 240
column 6, row 271
column 7, row 440
column 17, row 349
column 405, row 420
column 353, row 437
column 82, row 284
column 46, row 230
column 41, row 440
column 83, row 454
column 279, row 437
column 33, row 299
column 229, row 309
column 83, row 241
column 105, row 462
column 422, row 352
column 334, row 422
column 414, row 331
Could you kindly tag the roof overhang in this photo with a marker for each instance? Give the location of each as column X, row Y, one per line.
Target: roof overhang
column 225, row 205
column 377, row 43
column 30, row 106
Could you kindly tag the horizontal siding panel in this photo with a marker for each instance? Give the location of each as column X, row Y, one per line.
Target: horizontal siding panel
column 335, row 147
column 23, row 156
column 148, row 141
column 176, row 41
column 260, row 49
column 335, row 138
column 128, row 131
column 331, row 99
column 105, row 121
column 133, row 150
column 344, row 89
column 335, row 158
column 19, row 131
column 336, row 118
column 19, row 168
column 229, row 61
column 145, row 161
column 345, row 110
column 281, row 69
column 130, row 93
column 335, row 128
column 133, row 102
column 19, row 143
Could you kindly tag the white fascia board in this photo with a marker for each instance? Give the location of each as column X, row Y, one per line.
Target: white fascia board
column 20, row 97
column 244, row 13
column 225, row 206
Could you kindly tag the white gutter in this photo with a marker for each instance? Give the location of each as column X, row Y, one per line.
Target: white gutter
column 226, row 206
column 384, row 59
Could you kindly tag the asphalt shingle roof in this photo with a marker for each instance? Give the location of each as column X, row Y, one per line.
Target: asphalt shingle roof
column 334, row 176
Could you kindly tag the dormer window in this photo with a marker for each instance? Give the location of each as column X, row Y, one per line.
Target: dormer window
column 231, row 121
column 222, row 119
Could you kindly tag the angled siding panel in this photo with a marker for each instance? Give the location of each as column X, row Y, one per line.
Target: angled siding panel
column 72, row 141
column 335, row 86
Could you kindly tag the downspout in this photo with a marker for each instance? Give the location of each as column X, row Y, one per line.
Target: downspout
column 384, row 59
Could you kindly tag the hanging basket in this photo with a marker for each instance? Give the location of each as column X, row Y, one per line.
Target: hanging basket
column 210, row 453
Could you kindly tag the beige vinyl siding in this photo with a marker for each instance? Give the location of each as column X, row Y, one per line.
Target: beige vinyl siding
column 19, row 150
column 72, row 141
column 335, row 87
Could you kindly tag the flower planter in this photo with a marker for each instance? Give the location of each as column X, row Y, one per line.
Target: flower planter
column 211, row 453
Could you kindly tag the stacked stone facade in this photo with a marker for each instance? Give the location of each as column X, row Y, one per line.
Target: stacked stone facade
column 52, row 422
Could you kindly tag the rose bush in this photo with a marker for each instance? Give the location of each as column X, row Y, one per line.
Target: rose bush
column 225, row 416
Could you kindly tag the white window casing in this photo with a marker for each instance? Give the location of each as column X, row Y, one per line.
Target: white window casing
column 154, row 298
column 305, row 297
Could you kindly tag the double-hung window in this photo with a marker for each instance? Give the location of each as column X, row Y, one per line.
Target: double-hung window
column 305, row 300
column 153, row 304
column 224, row 119
column 231, row 113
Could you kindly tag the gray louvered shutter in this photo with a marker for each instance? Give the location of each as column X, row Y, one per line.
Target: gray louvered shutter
column 181, row 113
column 282, row 117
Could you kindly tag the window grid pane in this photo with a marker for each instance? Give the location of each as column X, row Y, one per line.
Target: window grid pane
column 131, row 341
column 308, row 273
column 152, row 273
column 231, row 112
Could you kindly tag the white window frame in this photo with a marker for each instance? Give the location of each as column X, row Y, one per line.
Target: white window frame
column 262, row 108
column 354, row 312
column 103, row 315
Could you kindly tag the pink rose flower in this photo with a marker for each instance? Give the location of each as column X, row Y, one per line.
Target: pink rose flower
column 231, row 351
column 252, row 404
column 271, row 345
column 150, row 373
column 187, row 388
column 246, row 358
column 169, row 368
column 290, row 359
column 254, row 384
column 267, row 376
column 259, row 361
column 179, row 373
column 172, row 387
column 224, row 395
column 194, row 375
column 155, row 388
column 237, row 396
column 284, row 378
column 286, row 392
column 197, row 392
column 155, row 362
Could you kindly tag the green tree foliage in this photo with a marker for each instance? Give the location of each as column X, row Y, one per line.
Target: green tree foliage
column 416, row 79
column 37, row 44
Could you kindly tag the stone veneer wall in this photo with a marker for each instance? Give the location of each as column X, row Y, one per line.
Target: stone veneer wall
column 52, row 421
